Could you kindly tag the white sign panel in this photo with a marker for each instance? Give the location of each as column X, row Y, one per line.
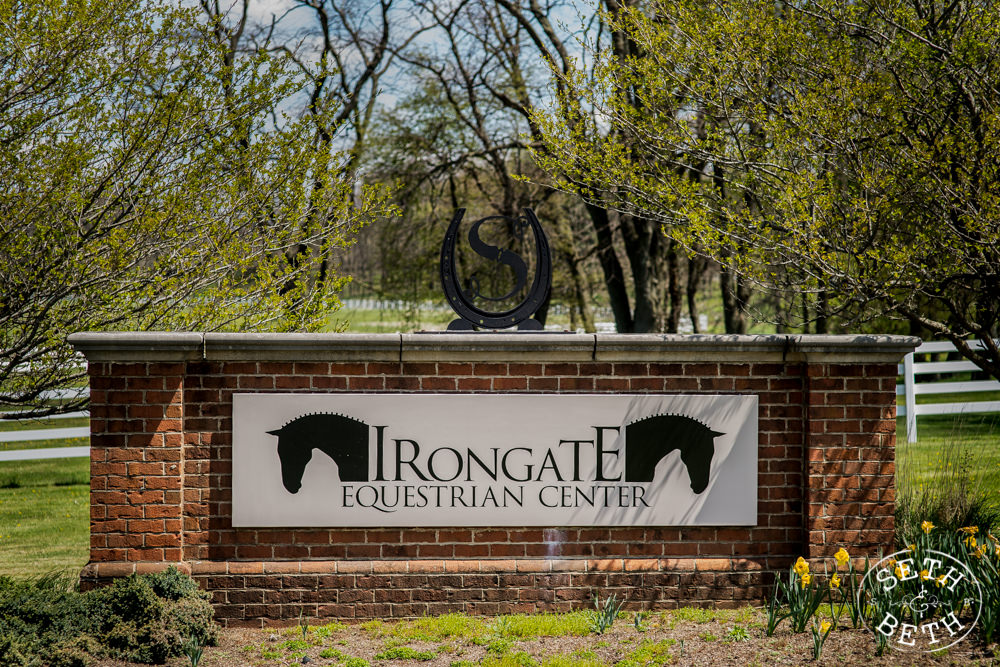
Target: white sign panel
column 356, row 460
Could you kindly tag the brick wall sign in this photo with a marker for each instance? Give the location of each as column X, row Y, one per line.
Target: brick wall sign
column 188, row 433
column 494, row 460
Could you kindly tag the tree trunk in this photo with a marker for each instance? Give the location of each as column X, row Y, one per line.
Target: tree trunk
column 695, row 270
column 563, row 242
column 614, row 276
column 582, row 297
column 822, row 306
column 673, row 288
column 733, row 300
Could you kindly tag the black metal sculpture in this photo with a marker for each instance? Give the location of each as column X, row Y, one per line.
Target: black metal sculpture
column 474, row 317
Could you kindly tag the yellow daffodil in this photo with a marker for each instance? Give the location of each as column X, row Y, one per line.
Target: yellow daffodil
column 927, row 527
column 969, row 530
column 842, row 557
column 899, row 572
column 806, row 578
column 970, row 542
column 801, row 567
column 940, row 579
column 980, row 552
column 912, row 547
column 824, row 626
column 835, row 581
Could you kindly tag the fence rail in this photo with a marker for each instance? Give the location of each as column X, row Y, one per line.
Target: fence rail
column 912, row 387
column 53, row 433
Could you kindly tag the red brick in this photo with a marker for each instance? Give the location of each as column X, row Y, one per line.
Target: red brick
column 402, row 383
column 702, row 370
column 410, row 368
column 609, row 384
column 454, row 368
column 716, row 384
column 437, row 384
column 646, row 384
column 543, row 384
column 750, row 384
column 490, row 369
column 292, row 382
column 576, row 384
column 365, row 383
column 331, row 382
column 664, row 369
column 473, row 384
column 510, row 383
column 255, row 382
column 561, row 369
column 596, row 369
column 137, row 468
column 344, row 368
column 311, row 368
column 146, row 411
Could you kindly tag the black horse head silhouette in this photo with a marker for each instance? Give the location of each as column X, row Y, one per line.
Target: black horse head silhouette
column 343, row 439
column 648, row 440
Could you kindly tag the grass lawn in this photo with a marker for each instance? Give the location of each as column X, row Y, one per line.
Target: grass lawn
column 9, row 425
column 44, row 444
column 969, row 444
column 44, row 516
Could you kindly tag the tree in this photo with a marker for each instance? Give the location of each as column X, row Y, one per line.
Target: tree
column 465, row 120
column 846, row 152
column 149, row 181
column 454, row 138
column 641, row 267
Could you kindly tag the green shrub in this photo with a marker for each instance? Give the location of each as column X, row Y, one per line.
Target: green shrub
column 137, row 624
column 171, row 584
column 74, row 652
column 37, row 614
column 11, row 651
column 129, row 600
column 145, row 618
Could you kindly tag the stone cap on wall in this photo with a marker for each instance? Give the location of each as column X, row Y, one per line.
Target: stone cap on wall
column 489, row 346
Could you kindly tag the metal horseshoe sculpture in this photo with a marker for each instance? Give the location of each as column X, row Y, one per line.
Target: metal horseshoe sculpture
column 473, row 317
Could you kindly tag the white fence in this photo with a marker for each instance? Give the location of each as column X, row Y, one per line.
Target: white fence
column 50, row 433
column 912, row 386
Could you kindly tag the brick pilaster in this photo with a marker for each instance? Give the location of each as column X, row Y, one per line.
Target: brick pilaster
column 850, row 458
column 136, row 461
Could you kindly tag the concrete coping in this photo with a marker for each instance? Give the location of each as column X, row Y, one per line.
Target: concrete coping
column 489, row 346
